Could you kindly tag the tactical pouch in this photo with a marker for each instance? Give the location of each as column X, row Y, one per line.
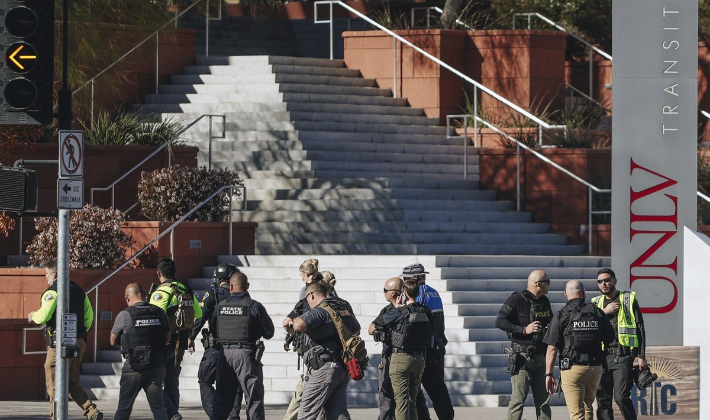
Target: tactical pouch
column 313, row 360
column 565, row 364
column 259, row 353
column 139, row 358
column 515, row 361
column 49, row 337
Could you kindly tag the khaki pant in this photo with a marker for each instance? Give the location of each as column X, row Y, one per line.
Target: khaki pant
column 580, row 387
column 76, row 392
column 292, row 410
column 406, row 375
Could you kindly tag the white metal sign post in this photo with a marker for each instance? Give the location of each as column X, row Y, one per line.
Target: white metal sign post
column 70, row 196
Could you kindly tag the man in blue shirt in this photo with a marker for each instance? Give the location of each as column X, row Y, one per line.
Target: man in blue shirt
column 433, row 377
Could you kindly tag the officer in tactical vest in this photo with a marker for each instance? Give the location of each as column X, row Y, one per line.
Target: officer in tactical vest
column 380, row 333
column 622, row 309
column 142, row 331
column 80, row 305
column 433, row 377
column 577, row 333
column 207, row 373
column 325, row 383
column 525, row 316
column 239, row 323
column 409, row 324
column 182, row 308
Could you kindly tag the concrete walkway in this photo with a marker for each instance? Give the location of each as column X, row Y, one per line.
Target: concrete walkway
column 191, row 411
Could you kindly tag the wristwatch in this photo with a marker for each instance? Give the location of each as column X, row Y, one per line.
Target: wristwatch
column 552, row 375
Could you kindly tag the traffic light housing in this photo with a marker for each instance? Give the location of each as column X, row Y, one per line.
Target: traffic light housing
column 28, row 58
column 18, row 189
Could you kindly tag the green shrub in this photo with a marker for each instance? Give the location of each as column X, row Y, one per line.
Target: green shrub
column 703, row 167
column 96, row 239
column 169, row 193
column 132, row 128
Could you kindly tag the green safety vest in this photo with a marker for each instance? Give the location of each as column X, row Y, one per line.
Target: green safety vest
column 625, row 319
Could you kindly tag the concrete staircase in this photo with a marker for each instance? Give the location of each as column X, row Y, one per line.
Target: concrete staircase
column 472, row 287
column 335, row 165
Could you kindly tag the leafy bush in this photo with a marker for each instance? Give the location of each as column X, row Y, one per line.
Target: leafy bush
column 581, row 120
column 169, row 193
column 703, row 167
column 96, row 239
column 132, row 128
column 522, row 128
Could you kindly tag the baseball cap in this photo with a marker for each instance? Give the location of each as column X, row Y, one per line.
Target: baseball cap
column 413, row 270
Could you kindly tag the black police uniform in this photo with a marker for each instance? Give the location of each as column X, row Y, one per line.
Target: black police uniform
column 519, row 310
column 384, row 388
column 141, row 329
column 239, row 322
column 207, row 373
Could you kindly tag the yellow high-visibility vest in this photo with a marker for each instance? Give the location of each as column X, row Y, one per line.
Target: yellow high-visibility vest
column 627, row 334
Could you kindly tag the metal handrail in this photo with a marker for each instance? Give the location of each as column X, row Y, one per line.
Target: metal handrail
column 589, row 98
column 545, row 159
column 157, row 49
column 170, row 230
column 704, row 113
column 476, row 85
column 592, row 48
column 166, row 144
column 24, row 340
column 703, row 196
column 438, row 10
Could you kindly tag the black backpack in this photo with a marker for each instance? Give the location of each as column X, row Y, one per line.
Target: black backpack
column 415, row 334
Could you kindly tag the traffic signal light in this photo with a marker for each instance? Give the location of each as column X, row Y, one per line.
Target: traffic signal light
column 28, row 62
column 18, row 189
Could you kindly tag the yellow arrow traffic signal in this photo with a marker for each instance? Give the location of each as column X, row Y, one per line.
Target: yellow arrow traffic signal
column 22, row 57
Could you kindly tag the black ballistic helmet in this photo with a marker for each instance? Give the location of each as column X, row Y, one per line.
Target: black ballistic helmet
column 224, row 271
column 645, row 378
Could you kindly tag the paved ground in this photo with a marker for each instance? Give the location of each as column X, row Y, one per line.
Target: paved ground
column 36, row 410
column 191, row 411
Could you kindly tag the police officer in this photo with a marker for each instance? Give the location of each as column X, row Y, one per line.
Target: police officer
column 410, row 337
column 623, row 311
column 80, row 305
column 433, row 377
column 325, row 383
column 207, row 373
column 240, row 322
column 171, row 296
column 577, row 333
column 525, row 316
column 142, row 330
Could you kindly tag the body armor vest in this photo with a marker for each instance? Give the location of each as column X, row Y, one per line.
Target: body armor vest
column 234, row 325
column 626, row 332
column 414, row 333
column 583, row 334
column 145, row 338
column 77, row 296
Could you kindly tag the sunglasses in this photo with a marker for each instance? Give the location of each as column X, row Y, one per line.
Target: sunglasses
column 609, row 280
column 390, row 290
column 544, row 281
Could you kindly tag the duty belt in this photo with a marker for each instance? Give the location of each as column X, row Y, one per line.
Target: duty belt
column 522, row 348
column 410, row 352
column 618, row 350
column 238, row 345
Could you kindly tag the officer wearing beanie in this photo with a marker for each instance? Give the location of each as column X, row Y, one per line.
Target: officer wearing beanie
column 622, row 309
column 239, row 323
column 433, row 377
column 142, row 330
column 207, row 373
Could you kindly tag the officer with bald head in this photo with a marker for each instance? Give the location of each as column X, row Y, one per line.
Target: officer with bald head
column 525, row 316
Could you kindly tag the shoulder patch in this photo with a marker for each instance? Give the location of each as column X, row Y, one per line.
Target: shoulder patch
column 49, row 297
column 158, row 296
column 207, row 294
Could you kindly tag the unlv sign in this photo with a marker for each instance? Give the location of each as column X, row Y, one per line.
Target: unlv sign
column 654, row 155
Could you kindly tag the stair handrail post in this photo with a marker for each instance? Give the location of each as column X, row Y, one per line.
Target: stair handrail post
column 465, row 150
column 157, row 61
column 231, row 197
column 475, row 116
column 209, row 145
column 169, row 230
column 394, row 67
column 590, row 58
column 517, row 175
column 590, row 220
column 207, row 28
column 91, row 112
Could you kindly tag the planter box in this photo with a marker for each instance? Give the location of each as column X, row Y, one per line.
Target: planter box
column 521, row 65
column 20, row 292
column 102, row 166
column 548, row 193
column 213, row 240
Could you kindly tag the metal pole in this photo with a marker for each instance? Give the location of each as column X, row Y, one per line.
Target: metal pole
column 231, row 197
column 172, row 244
column 475, row 116
column 209, row 147
column 91, row 122
column 207, row 28
column 394, row 67
column 465, row 143
column 61, row 385
column 157, row 60
column 20, row 246
column 590, row 220
column 539, row 135
column 331, row 30
column 517, row 177
column 96, row 321
column 591, row 73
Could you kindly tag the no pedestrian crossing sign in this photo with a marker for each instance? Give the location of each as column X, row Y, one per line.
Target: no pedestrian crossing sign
column 71, row 154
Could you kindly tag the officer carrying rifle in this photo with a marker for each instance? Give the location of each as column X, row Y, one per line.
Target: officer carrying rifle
column 525, row 316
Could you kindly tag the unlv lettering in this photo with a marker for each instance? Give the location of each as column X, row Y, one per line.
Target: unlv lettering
column 666, row 235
